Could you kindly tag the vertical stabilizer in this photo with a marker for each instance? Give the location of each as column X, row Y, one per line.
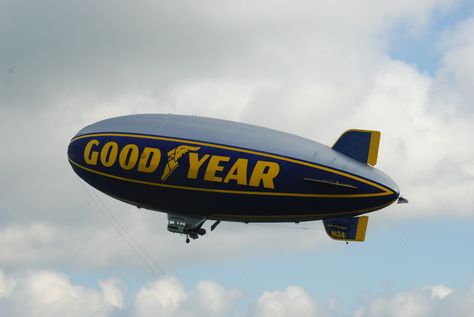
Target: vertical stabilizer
column 361, row 145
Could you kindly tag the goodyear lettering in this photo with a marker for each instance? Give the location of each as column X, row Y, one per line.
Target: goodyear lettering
column 264, row 172
column 128, row 156
column 149, row 160
column 195, row 164
column 213, row 167
column 108, row 155
column 210, row 168
column 91, row 156
column 238, row 172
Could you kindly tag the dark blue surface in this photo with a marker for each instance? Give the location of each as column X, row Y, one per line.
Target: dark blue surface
column 354, row 144
column 292, row 199
column 237, row 135
column 347, row 225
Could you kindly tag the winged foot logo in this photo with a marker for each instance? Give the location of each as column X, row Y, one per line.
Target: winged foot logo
column 209, row 167
column 173, row 156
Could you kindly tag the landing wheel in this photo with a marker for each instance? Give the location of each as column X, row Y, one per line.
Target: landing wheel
column 187, row 239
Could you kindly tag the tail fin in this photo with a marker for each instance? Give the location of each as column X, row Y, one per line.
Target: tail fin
column 361, row 145
column 346, row 228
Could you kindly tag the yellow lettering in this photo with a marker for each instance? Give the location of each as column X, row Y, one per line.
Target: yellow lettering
column 338, row 234
column 238, row 172
column 90, row 157
column 108, row 155
column 128, row 156
column 195, row 163
column 147, row 164
column 213, row 167
column 264, row 172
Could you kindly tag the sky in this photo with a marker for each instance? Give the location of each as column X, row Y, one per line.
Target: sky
column 313, row 68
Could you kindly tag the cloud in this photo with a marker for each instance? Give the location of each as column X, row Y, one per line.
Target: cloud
column 99, row 245
column 425, row 153
column 440, row 291
column 455, row 78
column 47, row 293
column 154, row 47
column 163, row 297
column 315, row 68
column 7, row 284
column 438, row 300
column 293, row 301
column 167, row 297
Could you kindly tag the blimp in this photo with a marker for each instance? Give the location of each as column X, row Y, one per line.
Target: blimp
column 196, row 169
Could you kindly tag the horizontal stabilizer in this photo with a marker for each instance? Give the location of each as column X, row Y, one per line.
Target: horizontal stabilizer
column 361, row 145
column 346, row 228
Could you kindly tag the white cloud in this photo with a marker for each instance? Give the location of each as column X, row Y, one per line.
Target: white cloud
column 112, row 293
column 455, row 79
column 7, row 284
column 294, row 301
column 24, row 243
column 100, row 246
column 313, row 68
column 406, row 304
column 438, row 300
column 296, row 68
column 214, row 299
column 162, row 297
column 47, row 293
column 440, row 291
column 167, row 297
column 425, row 154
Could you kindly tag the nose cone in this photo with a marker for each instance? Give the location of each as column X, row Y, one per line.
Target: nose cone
column 75, row 150
column 83, row 157
column 388, row 182
column 75, row 155
column 72, row 152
